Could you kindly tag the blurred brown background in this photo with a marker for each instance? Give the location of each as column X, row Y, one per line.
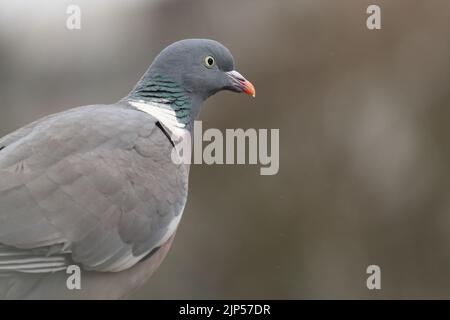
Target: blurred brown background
column 364, row 158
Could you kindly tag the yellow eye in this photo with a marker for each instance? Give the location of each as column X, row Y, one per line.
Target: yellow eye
column 209, row 62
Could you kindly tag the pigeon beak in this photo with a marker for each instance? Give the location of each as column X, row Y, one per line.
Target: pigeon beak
column 240, row 84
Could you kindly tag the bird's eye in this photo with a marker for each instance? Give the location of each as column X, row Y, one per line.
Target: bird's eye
column 209, row 62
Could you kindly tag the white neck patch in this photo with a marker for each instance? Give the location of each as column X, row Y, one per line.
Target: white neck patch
column 163, row 113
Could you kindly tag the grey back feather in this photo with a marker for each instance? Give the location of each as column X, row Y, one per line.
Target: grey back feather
column 95, row 180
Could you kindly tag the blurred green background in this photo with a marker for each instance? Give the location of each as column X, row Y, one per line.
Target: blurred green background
column 363, row 116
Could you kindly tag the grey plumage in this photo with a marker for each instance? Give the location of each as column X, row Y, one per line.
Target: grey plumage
column 105, row 198
column 95, row 185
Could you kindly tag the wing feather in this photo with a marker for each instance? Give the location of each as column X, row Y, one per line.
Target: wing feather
column 97, row 182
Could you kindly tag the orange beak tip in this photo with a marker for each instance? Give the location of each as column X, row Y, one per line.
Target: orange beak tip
column 250, row 89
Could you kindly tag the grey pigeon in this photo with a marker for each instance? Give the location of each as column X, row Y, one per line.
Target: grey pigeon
column 95, row 186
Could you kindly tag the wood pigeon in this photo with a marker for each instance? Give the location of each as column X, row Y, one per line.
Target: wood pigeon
column 95, row 186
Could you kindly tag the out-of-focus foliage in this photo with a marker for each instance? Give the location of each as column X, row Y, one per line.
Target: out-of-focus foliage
column 363, row 116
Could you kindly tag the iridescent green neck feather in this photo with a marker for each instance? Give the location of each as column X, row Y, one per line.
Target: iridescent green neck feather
column 162, row 90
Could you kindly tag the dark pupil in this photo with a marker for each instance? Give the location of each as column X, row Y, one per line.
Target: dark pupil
column 210, row 61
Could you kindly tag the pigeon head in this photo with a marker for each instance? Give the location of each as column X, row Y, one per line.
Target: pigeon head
column 202, row 67
column 186, row 73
